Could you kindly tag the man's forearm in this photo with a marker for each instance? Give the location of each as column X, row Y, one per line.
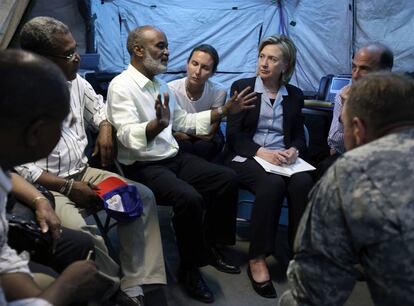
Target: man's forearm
column 24, row 191
column 18, row 286
column 51, row 181
column 21, row 286
column 154, row 127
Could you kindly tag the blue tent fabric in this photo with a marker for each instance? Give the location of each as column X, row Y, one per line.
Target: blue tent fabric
column 234, row 28
column 325, row 32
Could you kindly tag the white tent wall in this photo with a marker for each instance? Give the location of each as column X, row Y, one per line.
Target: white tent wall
column 389, row 22
column 64, row 10
column 326, row 32
column 11, row 11
column 322, row 33
column 235, row 29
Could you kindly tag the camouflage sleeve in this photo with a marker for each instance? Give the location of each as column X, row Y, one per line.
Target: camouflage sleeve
column 322, row 270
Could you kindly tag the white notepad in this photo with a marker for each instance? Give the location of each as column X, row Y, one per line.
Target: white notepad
column 299, row 166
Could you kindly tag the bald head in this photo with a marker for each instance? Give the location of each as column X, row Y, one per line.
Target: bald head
column 30, row 86
column 370, row 58
column 138, row 37
column 148, row 47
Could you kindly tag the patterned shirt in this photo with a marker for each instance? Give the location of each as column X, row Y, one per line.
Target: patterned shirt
column 336, row 131
column 360, row 213
column 68, row 157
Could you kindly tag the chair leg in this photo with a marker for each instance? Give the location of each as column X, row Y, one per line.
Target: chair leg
column 104, row 229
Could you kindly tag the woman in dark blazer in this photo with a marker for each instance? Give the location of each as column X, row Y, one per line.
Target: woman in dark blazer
column 273, row 130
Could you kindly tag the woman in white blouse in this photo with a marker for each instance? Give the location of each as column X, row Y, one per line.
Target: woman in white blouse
column 196, row 93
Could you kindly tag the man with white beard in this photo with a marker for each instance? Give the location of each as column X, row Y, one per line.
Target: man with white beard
column 149, row 153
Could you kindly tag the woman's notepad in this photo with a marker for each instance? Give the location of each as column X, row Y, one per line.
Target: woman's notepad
column 299, row 166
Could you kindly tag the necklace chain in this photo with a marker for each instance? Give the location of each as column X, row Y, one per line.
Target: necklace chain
column 190, row 96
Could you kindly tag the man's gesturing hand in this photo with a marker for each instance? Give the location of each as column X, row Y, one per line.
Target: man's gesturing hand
column 162, row 111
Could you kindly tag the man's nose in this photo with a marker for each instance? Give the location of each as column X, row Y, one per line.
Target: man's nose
column 356, row 74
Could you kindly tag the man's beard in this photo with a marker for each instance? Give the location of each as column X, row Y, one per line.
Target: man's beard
column 153, row 65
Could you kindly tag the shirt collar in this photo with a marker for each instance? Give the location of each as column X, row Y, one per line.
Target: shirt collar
column 259, row 87
column 141, row 79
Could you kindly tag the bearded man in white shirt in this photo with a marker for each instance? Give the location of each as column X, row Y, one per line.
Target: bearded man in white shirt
column 66, row 173
column 150, row 154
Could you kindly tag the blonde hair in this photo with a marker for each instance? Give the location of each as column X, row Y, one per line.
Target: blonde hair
column 288, row 49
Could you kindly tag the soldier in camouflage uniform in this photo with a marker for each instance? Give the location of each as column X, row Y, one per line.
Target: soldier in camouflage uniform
column 362, row 211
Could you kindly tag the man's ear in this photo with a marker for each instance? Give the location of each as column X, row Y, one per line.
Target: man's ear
column 359, row 131
column 33, row 134
column 139, row 51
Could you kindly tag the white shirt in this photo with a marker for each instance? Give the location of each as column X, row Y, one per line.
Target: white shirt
column 10, row 262
column 213, row 96
column 131, row 106
column 68, row 157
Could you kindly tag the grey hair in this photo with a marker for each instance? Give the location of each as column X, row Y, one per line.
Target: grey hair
column 137, row 37
column 288, row 49
column 38, row 34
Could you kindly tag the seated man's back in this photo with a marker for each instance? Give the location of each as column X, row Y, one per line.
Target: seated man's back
column 361, row 211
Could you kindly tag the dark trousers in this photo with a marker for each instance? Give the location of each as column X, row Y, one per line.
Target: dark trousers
column 207, row 149
column 72, row 246
column 270, row 191
column 193, row 186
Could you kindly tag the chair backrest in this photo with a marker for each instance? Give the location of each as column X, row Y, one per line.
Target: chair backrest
column 305, row 129
column 324, row 87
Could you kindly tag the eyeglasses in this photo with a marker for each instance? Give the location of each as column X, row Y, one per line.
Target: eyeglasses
column 69, row 57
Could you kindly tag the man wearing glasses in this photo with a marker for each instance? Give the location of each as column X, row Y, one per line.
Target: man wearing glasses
column 66, row 173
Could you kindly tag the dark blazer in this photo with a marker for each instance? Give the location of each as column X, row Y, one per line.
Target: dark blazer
column 242, row 126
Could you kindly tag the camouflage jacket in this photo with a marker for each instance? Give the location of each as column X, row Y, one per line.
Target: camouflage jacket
column 360, row 213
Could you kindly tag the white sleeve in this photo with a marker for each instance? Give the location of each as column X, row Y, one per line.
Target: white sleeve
column 123, row 115
column 95, row 110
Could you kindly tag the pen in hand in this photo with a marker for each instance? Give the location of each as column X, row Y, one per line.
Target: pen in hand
column 90, row 253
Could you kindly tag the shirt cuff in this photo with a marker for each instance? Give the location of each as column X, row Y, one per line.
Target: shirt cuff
column 203, row 122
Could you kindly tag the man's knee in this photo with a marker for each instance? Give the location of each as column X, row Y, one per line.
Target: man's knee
column 146, row 194
column 189, row 202
column 227, row 176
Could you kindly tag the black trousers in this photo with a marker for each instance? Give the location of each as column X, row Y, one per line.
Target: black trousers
column 207, row 149
column 72, row 246
column 204, row 200
column 270, row 191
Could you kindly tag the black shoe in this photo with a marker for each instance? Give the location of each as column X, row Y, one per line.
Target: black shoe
column 216, row 260
column 194, row 285
column 264, row 289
